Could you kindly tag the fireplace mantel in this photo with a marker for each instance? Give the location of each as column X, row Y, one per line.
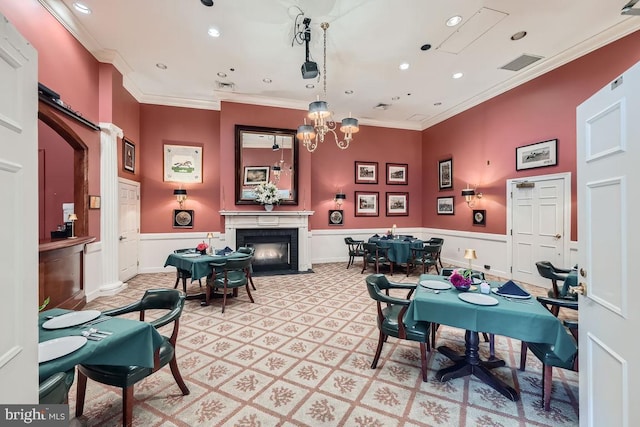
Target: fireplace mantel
column 234, row 220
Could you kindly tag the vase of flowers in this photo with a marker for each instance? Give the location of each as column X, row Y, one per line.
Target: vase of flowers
column 461, row 280
column 267, row 195
column 202, row 248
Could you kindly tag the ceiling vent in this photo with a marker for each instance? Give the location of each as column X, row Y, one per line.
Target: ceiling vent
column 382, row 106
column 521, row 62
column 225, row 86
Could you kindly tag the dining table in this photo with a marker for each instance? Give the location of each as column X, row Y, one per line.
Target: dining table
column 125, row 342
column 522, row 319
column 398, row 248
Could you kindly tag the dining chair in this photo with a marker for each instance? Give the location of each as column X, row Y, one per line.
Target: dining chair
column 374, row 254
column 426, row 256
column 437, row 241
column 355, row 249
column 549, row 271
column 232, row 274
column 171, row 301
column 391, row 320
column 55, row 389
column 183, row 274
column 544, row 352
column 251, row 251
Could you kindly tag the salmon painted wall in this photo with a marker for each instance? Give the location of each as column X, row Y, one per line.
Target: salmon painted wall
column 334, row 170
column 482, row 141
column 161, row 125
column 66, row 67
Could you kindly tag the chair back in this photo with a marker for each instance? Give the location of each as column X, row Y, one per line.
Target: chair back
column 546, row 270
column 475, row 274
column 435, row 241
column 246, row 250
column 185, row 250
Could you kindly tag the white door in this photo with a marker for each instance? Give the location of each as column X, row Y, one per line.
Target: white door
column 608, row 149
column 19, row 213
column 539, row 218
column 129, row 229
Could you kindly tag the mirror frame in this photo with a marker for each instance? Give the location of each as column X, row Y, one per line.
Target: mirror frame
column 240, row 168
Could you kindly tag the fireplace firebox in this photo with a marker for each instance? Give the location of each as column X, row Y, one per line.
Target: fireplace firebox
column 276, row 250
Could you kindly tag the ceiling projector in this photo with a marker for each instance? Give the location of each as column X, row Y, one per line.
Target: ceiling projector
column 309, row 70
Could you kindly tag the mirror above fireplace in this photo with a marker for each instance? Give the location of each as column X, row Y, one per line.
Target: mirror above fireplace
column 266, row 155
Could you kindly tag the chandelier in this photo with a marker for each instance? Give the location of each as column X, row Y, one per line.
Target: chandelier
column 322, row 118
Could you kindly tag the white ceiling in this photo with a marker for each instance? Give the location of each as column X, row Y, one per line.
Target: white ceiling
column 366, row 42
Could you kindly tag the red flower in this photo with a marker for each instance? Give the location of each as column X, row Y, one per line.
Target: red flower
column 202, row 246
column 458, row 280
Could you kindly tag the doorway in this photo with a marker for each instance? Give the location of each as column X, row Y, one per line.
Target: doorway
column 128, row 228
column 538, row 224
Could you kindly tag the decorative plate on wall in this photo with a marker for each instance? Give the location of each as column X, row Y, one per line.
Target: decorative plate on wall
column 336, row 217
column 182, row 218
column 479, row 217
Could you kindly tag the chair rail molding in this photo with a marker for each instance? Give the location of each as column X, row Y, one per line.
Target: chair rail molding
column 234, row 220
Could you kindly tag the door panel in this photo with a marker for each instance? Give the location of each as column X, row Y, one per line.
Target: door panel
column 607, row 154
column 129, row 223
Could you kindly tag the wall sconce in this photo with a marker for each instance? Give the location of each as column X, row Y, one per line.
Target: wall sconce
column 72, row 218
column 470, row 254
column 181, row 195
column 470, row 196
column 339, row 199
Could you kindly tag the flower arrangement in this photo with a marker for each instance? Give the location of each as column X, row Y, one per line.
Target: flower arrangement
column 461, row 279
column 267, row 193
column 202, row 248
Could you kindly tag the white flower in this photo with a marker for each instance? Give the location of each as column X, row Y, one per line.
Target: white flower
column 267, row 193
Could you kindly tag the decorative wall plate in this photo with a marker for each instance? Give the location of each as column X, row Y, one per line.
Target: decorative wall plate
column 336, row 217
column 479, row 217
column 182, row 218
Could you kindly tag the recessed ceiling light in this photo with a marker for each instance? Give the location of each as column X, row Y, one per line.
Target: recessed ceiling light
column 437, row 104
column 222, row 75
column 214, row 32
column 310, row 86
column 267, row 80
column 519, row 35
column 404, row 66
column 395, row 98
column 454, row 20
column 82, row 8
column 348, row 92
column 161, row 66
column 457, row 75
column 426, row 46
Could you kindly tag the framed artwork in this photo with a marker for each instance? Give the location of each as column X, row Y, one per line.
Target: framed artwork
column 480, row 217
column 397, row 204
column 445, row 205
column 445, row 174
column 366, row 172
column 336, row 217
column 537, row 155
column 254, row 175
column 397, row 173
column 94, row 202
column 128, row 155
column 182, row 218
column 182, row 163
column 366, row 203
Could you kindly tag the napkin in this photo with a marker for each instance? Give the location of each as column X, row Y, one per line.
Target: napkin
column 225, row 251
column 408, row 239
column 510, row 288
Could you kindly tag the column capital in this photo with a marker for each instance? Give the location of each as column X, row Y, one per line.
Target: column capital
column 111, row 129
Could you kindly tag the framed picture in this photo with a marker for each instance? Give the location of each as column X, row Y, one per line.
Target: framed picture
column 182, row 163
column 397, row 204
column 397, row 173
column 480, row 217
column 445, row 174
column 128, row 155
column 94, row 202
column 366, row 172
column 366, row 203
column 336, row 217
column 254, row 175
column 445, row 205
column 537, row 155
column 182, row 218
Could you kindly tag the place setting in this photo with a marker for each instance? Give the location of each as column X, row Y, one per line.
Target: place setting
column 513, row 292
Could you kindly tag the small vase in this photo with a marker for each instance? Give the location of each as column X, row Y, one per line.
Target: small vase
column 268, row 207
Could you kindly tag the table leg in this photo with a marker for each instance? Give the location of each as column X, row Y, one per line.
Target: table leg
column 470, row 364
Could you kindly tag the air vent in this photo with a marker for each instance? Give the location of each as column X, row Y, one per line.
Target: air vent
column 521, row 62
column 225, row 85
column 382, row 106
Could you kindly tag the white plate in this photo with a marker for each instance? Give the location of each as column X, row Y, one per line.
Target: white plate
column 495, row 291
column 435, row 284
column 71, row 319
column 59, row 347
column 478, row 299
column 191, row 255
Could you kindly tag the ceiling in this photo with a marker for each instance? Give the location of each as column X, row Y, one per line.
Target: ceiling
column 366, row 42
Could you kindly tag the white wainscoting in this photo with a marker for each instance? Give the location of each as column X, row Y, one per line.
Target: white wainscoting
column 156, row 247
column 92, row 270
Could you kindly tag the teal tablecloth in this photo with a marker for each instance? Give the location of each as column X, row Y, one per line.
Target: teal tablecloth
column 198, row 266
column 527, row 322
column 399, row 249
column 132, row 343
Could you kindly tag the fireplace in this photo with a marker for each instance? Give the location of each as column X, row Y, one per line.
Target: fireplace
column 276, row 250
